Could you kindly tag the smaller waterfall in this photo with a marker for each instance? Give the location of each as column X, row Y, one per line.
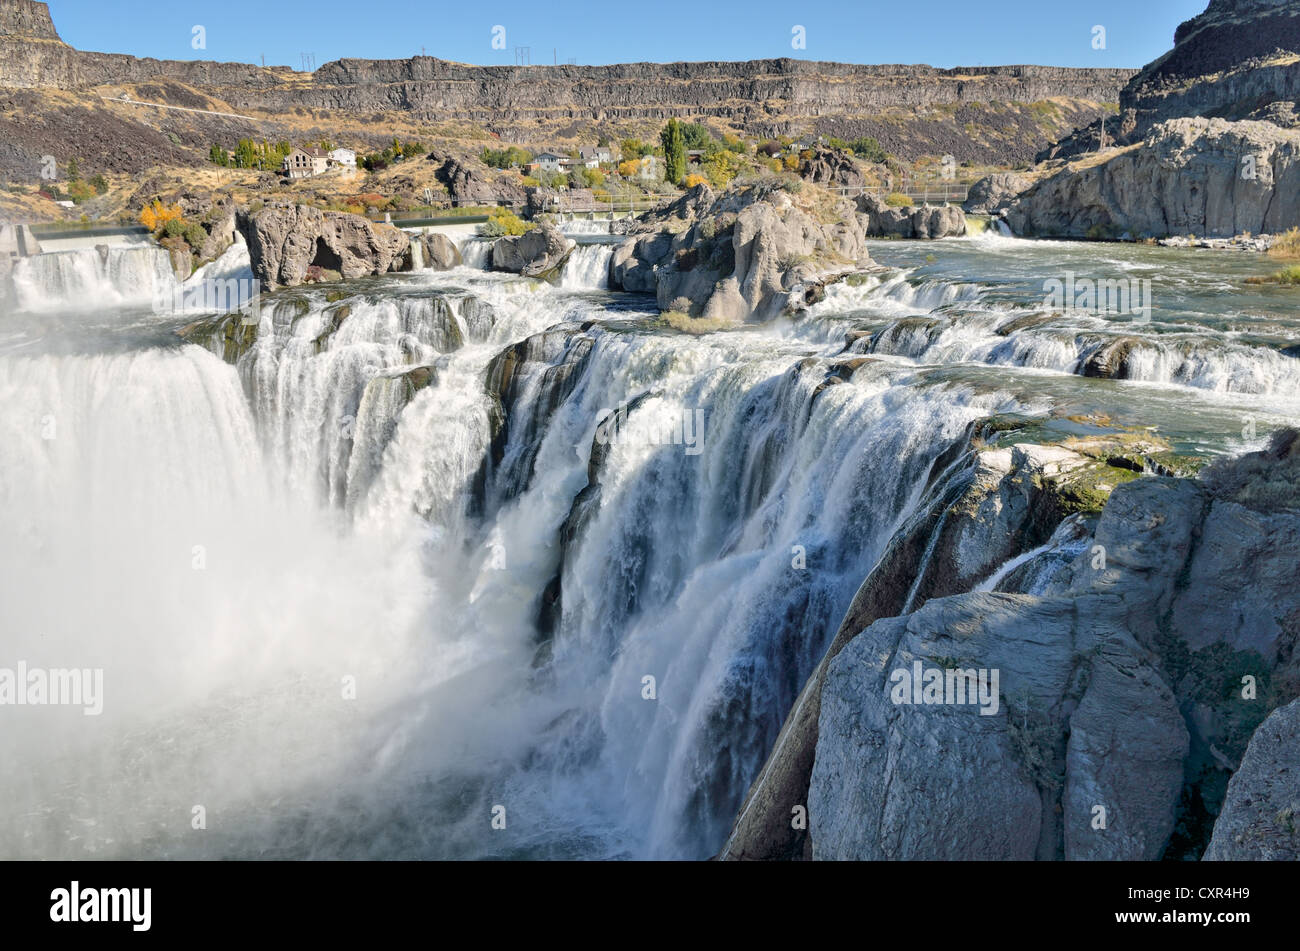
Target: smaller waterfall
column 582, row 226
column 587, row 268
column 111, row 277
column 476, row 253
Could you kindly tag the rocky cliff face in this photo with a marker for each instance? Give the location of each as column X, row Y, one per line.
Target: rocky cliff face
column 1239, row 59
column 1261, row 817
column 27, row 18
column 1134, row 668
column 1238, row 63
column 1205, row 177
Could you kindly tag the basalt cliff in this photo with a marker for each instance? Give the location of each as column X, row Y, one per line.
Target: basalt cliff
column 1205, row 143
column 912, row 110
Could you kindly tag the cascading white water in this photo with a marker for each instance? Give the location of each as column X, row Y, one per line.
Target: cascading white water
column 476, row 253
column 64, row 280
column 587, row 267
column 583, row 226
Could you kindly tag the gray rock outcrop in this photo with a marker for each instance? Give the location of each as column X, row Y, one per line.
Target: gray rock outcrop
column 994, row 193
column 439, row 252
column 537, row 253
column 751, row 253
column 834, row 168
column 1261, row 815
column 1123, row 649
column 285, row 241
column 924, row 221
column 1203, row 177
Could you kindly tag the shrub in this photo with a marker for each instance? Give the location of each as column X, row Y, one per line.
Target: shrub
column 694, row 179
column 174, row 228
column 502, row 221
column 869, row 149
column 195, row 235
column 79, row 191
column 696, row 135
column 1289, row 276
column 897, row 200
column 629, row 168
column 100, row 184
column 694, row 325
column 509, row 157
column 589, row 177
column 1287, row 245
column 632, row 149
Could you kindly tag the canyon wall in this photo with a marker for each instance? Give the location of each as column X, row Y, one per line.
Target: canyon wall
column 749, row 94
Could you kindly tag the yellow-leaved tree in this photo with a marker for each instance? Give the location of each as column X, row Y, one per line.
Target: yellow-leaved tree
column 155, row 216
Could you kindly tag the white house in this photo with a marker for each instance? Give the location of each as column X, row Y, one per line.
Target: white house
column 593, row 157
column 551, row 162
column 344, row 157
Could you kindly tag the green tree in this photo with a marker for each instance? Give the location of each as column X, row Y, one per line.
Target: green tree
column 674, row 151
column 696, row 135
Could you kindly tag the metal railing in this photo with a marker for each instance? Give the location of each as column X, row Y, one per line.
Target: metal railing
column 919, row 192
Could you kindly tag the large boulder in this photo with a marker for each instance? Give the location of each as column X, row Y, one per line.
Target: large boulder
column 537, row 253
column 1007, row 501
column 924, row 221
column 1076, row 719
column 470, row 182
column 1261, row 815
column 632, row 265
column 834, row 168
column 285, row 240
column 440, row 252
column 994, row 193
column 752, row 253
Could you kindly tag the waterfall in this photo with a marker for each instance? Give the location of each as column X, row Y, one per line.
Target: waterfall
column 66, row 280
column 415, row 550
column 587, row 267
column 578, row 226
column 476, row 253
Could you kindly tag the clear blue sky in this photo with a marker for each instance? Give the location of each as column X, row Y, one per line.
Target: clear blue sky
column 938, row 32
